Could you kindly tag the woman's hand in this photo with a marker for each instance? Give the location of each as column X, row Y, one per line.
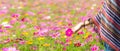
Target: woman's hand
column 82, row 24
column 77, row 27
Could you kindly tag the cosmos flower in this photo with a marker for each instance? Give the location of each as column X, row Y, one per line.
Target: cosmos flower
column 64, row 48
column 9, row 49
column 6, row 25
column 22, row 42
column 56, row 35
column 30, row 13
column 69, row 32
column 56, row 28
column 1, row 30
column 13, row 21
column 15, row 15
column 94, row 48
column 3, row 11
column 78, row 44
column 47, row 17
column 80, row 32
column 22, row 26
column 34, row 48
column 84, row 18
column 7, row 40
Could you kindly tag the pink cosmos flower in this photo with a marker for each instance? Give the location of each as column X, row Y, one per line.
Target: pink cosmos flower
column 69, row 24
column 22, row 42
column 15, row 45
column 34, row 48
column 7, row 40
column 92, row 30
column 9, row 49
column 3, row 11
column 84, row 18
column 37, row 27
column 1, row 30
column 101, row 50
column 30, row 13
column 4, row 49
column 6, row 25
column 23, row 20
column 41, row 32
column 80, row 32
column 39, row 12
column 15, row 15
column 78, row 44
column 22, row 26
column 69, row 32
column 55, row 35
column 56, row 28
column 68, row 40
column 64, row 48
column 94, row 48
column 47, row 17
column 13, row 21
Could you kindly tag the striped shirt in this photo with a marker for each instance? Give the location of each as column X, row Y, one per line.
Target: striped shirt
column 107, row 22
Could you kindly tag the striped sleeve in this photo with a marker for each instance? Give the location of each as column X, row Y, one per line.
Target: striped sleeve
column 108, row 23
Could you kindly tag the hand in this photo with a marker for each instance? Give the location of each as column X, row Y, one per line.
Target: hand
column 81, row 24
column 77, row 27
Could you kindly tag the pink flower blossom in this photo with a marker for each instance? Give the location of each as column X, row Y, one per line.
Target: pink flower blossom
column 56, row 35
column 9, row 49
column 80, row 32
column 15, row 45
column 94, row 48
column 1, row 30
column 22, row 42
column 4, row 49
column 64, row 48
column 56, row 28
column 69, row 24
column 13, row 21
column 37, row 27
column 41, row 32
column 78, row 44
column 83, row 18
column 30, row 13
column 33, row 48
column 23, row 26
column 7, row 40
column 8, row 26
column 47, row 17
column 101, row 50
column 92, row 30
column 15, row 15
column 69, row 32
column 67, row 39
column 3, row 11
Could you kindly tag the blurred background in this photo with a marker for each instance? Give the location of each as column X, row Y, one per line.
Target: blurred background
column 39, row 25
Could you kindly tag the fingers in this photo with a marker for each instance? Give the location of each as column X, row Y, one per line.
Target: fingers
column 77, row 27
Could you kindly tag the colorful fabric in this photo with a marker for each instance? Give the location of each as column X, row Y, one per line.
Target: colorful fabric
column 108, row 23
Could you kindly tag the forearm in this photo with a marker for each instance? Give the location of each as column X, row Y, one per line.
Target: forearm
column 82, row 24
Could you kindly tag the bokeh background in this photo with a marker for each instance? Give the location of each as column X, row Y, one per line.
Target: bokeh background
column 40, row 25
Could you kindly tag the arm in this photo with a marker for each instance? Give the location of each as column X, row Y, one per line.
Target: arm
column 82, row 24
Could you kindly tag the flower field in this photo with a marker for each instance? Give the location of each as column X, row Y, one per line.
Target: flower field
column 44, row 25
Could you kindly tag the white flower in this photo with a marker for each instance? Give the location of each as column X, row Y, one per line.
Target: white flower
column 47, row 17
column 6, row 24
